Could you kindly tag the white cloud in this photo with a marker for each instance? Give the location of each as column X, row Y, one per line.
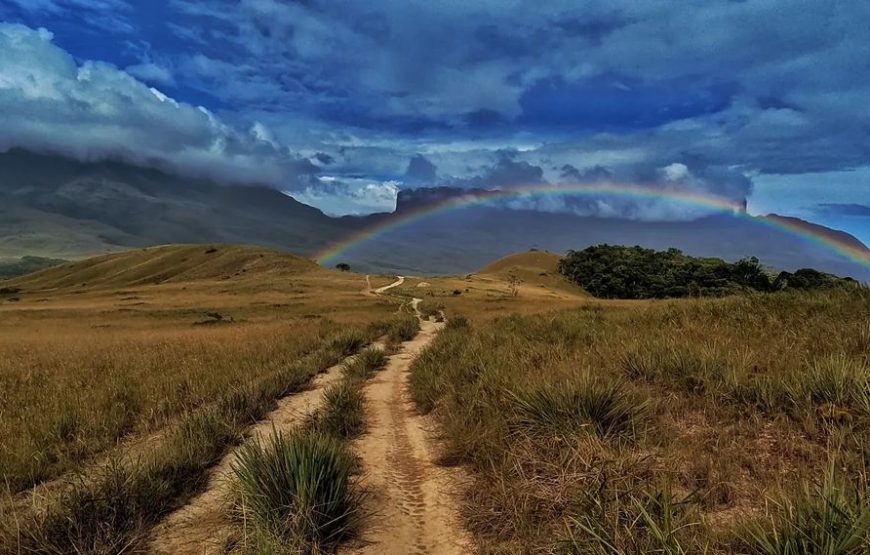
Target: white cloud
column 48, row 102
column 152, row 73
column 350, row 196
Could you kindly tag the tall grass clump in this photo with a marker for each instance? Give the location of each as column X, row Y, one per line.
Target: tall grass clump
column 654, row 522
column 606, row 407
column 296, row 491
column 429, row 308
column 832, row 518
column 403, row 328
column 342, row 414
column 835, row 381
column 348, row 342
column 365, row 363
column 694, row 368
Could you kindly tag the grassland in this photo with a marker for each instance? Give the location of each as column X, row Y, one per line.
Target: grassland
column 736, row 425
column 161, row 357
column 732, row 425
column 524, row 283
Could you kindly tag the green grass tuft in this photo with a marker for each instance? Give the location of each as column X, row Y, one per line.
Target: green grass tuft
column 606, row 407
column 365, row 364
column 342, row 414
column 403, row 328
column 831, row 519
column 650, row 523
column 348, row 342
column 296, row 489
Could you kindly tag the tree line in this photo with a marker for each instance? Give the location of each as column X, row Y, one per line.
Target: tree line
column 617, row 272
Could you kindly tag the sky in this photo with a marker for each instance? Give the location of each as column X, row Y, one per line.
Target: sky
column 344, row 104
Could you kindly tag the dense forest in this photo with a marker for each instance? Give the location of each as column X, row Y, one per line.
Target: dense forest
column 616, row 272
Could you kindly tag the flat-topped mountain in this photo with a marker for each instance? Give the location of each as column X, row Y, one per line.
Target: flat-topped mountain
column 60, row 208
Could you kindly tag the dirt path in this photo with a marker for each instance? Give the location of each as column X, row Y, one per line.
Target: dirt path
column 399, row 281
column 202, row 526
column 412, row 505
column 413, row 501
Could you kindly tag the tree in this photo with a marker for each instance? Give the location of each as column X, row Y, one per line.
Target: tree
column 638, row 273
column 343, row 267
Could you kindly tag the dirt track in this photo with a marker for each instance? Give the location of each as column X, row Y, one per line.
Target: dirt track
column 412, row 507
column 413, row 503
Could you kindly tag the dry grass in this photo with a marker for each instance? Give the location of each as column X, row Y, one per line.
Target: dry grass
column 104, row 360
column 68, row 393
column 654, row 427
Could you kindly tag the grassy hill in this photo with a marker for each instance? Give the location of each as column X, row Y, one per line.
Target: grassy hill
column 538, row 268
column 14, row 267
column 531, row 261
column 166, row 264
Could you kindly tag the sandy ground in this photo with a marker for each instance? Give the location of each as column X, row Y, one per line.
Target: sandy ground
column 203, row 526
column 413, row 502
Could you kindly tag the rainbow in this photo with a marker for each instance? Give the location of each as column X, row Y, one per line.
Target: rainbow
column 333, row 252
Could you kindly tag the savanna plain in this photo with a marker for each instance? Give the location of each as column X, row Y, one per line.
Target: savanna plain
column 135, row 385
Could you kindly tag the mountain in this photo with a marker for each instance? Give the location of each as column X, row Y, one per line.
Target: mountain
column 57, row 207
column 60, row 208
column 461, row 239
column 833, row 234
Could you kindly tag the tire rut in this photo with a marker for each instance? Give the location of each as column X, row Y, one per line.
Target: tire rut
column 413, row 502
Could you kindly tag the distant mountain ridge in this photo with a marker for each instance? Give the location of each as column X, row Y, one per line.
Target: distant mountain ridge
column 60, row 208
column 56, row 207
column 414, row 199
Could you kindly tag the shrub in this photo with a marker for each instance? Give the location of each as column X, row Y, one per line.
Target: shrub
column 297, row 490
column 637, row 273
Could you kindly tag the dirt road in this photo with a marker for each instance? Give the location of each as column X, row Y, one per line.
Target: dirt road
column 399, row 281
column 412, row 507
column 413, row 501
column 203, row 525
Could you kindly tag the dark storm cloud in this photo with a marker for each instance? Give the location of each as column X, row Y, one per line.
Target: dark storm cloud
column 95, row 111
column 506, row 172
column 697, row 95
column 324, row 158
column 849, row 209
column 611, row 102
column 593, row 174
